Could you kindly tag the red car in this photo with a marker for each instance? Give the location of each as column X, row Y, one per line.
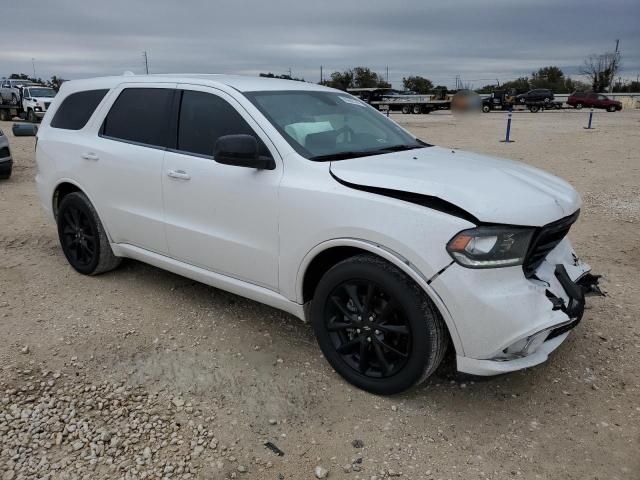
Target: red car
column 593, row 100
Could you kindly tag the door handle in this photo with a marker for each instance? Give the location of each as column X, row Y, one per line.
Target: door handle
column 90, row 156
column 180, row 174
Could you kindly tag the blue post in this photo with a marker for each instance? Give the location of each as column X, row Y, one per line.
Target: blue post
column 507, row 139
column 590, row 119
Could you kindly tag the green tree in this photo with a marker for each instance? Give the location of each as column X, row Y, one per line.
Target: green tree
column 520, row 85
column 417, row 84
column 358, row 77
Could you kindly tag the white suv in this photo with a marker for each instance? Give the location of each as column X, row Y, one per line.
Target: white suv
column 307, row 199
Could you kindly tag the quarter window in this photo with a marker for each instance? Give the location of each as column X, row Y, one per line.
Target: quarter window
column 204, row 118
column 76, row 109
column 140, row 115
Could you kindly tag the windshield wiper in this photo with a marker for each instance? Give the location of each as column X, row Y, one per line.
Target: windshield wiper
column 340, row 156
column 397, row 148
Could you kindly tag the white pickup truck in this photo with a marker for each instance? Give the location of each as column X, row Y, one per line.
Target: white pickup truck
column 36, row 100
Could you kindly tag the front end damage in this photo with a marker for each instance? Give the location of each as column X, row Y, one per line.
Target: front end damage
column 508, row 321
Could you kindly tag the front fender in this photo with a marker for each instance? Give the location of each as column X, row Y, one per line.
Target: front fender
column 392, row 257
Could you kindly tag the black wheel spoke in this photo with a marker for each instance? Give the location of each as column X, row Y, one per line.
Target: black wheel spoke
column 398, row 329
column 392, row 349
column 352, row 290
column 387, row 310
column 363, row 362
column 349, row 346
column 368, row 299
column 334, row 325
column 70, row 222
column 337, row 301
column 381, row 358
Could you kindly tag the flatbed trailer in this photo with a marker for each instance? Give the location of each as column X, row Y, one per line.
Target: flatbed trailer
column 384, row 100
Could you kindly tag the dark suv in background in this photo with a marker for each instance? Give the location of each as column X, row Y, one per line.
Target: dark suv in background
column 593, row 100
column 536, row 95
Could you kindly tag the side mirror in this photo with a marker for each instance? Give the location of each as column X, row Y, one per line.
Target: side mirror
column 241, row 151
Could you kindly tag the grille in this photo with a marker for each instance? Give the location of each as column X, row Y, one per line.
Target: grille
column 4, row 152
column 546, row 240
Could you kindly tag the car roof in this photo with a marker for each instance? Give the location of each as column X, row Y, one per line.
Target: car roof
column 242, row 83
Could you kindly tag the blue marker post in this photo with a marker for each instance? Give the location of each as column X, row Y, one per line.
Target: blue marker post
column 506, row 138
column 590, row 119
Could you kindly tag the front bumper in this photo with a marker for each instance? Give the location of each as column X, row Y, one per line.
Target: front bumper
column 507, row 322
column 6, row 164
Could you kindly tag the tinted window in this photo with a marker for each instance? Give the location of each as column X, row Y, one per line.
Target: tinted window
column 76, row 109
column 140, row 115
column 204, row 118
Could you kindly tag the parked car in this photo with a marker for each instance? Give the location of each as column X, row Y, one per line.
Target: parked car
column 307, row 199
column 536, row 95
column 10, row 90
column 593, row 100
column 36, row 100
column 6, row 162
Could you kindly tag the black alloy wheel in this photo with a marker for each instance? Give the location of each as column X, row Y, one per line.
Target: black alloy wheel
column 368, row 328
column 79, row 237
column 376, row 327
column 83, row 239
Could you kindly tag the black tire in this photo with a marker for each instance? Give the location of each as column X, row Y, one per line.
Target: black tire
column 83, row 239
column 4, row 115
column 579, row 106
column 400, row 335
column 486, row 108
column 611, row 108
column 534, row 108
column 406, row 109
column 417, row 109
column 31, row 117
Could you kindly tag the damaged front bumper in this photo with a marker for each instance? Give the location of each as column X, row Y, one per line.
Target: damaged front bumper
column 516, row 322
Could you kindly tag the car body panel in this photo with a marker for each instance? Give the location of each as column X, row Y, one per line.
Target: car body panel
column 493, row 190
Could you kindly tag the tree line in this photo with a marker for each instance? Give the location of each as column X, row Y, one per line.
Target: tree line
column 54, row 82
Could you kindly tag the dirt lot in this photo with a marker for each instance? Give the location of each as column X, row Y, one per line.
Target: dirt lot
column 140, row 373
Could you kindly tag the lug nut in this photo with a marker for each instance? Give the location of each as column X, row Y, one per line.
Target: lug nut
column 371, row 319
column 357, row 330
column 377, row 332
column 368, row 339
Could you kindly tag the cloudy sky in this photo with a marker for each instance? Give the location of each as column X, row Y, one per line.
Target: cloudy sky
column 478, row 40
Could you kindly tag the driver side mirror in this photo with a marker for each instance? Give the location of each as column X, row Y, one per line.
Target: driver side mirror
column 241, row 151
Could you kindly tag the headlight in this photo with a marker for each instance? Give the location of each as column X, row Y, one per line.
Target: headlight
column 490, row 247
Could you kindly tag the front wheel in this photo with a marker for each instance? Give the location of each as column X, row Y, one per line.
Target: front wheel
column 579, row 106
column 82, row 236
column 534, row 108
column 486, row 108
column 31, row 116
column 376, row 327
column 611, row 108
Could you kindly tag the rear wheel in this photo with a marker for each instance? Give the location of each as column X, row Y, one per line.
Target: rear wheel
column 417, row 109
column 534, row 108
column 611, row 108
column 486, row 108
column 14, row 99
column 82, row 236
column 376, row 327
column 406, row 109
column 579, row 106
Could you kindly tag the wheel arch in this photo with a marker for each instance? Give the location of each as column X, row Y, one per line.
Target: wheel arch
column 324, row 255
column 64, row 187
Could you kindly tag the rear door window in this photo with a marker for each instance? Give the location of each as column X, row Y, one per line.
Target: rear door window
column 204, row 118
column 140, row 115
column 75, row 110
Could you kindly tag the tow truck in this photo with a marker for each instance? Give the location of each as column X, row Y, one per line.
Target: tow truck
column 30, row 103
column 387, row 99
column 506, row 100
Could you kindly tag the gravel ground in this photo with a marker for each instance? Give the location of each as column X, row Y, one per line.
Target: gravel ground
column 140, row 373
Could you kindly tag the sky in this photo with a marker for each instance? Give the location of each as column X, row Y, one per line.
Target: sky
column 480, row 41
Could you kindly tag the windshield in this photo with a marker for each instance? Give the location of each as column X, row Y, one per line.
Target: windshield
column 331, row 126
column 42, row 92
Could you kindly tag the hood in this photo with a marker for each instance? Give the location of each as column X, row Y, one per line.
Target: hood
column 42, row 99
column 492, row 190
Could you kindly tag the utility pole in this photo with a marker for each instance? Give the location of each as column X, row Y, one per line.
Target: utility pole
column 387, row 73
column 33, row 63
column 614, row 65
column 146, row 62
column 290, row 73
column 321, row 79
